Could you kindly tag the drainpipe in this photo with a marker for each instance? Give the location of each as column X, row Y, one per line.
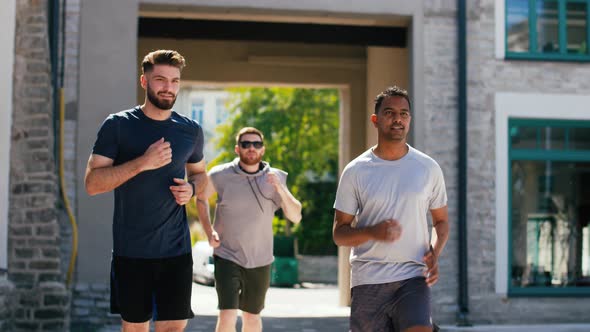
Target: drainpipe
column 463, row 300
column 53, row 20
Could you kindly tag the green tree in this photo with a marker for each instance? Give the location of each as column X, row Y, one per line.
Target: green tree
column 301, row 137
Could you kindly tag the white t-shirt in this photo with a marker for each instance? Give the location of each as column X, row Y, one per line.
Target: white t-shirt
column 374, row 189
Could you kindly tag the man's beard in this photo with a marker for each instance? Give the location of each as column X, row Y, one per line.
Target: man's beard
column 249, row 161
column 161, row 104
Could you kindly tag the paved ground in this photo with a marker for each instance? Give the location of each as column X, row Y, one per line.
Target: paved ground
column 310, row 308
column 314, row 308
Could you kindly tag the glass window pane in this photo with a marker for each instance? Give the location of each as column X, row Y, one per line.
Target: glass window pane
column 552, row 138
column 517, row 25
column 221, row 112
column 547, row 27
column 523, row 137
column 579, row 139
column 550, row 213
column 576, row 28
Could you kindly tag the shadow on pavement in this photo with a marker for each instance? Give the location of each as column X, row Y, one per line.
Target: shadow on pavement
column 282, row 324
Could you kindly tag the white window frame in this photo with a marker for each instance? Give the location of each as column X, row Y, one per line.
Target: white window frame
column 523, row 105
column 198, row 108
column 7, row 26
column 500, row 16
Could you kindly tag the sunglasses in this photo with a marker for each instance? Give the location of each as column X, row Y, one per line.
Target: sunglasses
column 246, row 144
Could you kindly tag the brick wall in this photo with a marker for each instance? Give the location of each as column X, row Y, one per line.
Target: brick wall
column 90, row 305
column 6, row 303
column 486, row 76
column 70, row 85
column 40, row 298
column 440, row 125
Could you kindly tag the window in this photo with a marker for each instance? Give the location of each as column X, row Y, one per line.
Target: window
column 549, row 207
column 547, row 29
column 221, row 112
column 198, row 110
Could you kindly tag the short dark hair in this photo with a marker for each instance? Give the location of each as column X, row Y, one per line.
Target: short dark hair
column 248, row 130
column 162, row 57
column 392, row 91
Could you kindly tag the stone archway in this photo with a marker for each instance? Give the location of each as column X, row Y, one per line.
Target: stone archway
column 359, row 71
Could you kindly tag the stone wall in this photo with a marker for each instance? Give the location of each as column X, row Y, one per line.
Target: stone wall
column 91, row 306
column 319, row 269
column 486, row 76
column 6, row 303
column 440, row 136
column 40, row 298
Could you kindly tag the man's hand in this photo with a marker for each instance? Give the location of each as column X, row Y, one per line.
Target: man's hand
column 387, row 231
column 431, row 272
column 183, row 192
column 157, row 155
column 214, row 239
column 274, row 180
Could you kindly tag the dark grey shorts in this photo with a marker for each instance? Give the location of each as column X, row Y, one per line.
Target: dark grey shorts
column 394, row 306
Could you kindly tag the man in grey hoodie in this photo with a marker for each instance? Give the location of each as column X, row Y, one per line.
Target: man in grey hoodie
column 249, row 192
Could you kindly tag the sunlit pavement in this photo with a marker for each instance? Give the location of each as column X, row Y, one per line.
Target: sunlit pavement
column 520, row 328
column 314, row 308
column 309, row 308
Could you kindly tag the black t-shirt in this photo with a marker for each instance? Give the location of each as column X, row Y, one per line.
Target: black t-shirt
column 147, row 221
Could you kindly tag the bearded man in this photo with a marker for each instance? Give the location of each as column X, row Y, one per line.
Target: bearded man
column 249, row 192
column 144, row 154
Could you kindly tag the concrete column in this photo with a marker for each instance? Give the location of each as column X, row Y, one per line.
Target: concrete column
column 108, row 80
column 386, row 66
column 7, row 25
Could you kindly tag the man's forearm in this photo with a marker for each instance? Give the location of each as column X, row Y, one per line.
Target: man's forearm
column 290, row 205
column 203, row 210
column 104, row 179
column 199, row 180
column 440, row 236
column 348, row 236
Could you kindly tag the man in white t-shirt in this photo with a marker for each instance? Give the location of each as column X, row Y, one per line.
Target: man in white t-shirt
column 390, row 189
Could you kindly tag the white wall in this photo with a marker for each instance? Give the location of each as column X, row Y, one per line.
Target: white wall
column 7, row 26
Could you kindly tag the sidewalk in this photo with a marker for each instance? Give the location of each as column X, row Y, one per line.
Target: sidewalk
column 310, row 309
column 520, row 328
column 314, row 308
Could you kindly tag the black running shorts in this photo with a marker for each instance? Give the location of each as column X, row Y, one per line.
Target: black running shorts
column 159, row 288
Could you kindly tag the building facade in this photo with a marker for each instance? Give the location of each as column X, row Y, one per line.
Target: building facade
column 527, row 146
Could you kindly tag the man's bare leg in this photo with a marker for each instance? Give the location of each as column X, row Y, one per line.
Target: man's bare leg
column 226, row 322
column 170, row 325
column 135, row 327
column 251, row 322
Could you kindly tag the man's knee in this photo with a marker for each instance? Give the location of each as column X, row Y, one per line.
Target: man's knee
column 171, row 326
column 134, row 327
column 248, row 317
column 227, row 320
column 252, row 322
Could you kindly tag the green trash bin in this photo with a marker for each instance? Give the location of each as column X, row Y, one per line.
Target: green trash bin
column 284, row 246
column 284, row 272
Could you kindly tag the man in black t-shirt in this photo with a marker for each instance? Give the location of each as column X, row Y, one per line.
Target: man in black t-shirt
column 143, row 154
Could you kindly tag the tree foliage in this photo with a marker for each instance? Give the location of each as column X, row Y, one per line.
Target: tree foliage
column 301, row 137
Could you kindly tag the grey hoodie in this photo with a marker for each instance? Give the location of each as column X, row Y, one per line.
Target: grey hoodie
column 246, row 204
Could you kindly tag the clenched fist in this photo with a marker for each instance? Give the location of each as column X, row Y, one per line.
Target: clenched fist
column 388, row 230
column 157, row 155
column 183, row 191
